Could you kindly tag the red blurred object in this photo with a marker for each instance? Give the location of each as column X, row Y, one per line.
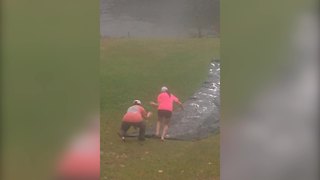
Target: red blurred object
column 82, row 159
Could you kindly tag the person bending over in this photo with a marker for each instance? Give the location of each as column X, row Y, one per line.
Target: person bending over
column 134, row 116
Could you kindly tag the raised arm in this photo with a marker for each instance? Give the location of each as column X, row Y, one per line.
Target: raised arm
column 145, row 114
column 154, row 104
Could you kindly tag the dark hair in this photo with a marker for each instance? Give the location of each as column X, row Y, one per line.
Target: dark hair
column 169, row 94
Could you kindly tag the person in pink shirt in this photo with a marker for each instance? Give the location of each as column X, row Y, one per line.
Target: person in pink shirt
column 134, row 116
column 165, row 107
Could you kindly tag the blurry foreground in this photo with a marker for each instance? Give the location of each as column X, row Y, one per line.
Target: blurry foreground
column 270, row 131
column 49, row 85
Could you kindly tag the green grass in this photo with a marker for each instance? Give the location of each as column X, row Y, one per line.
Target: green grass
column 136, row 69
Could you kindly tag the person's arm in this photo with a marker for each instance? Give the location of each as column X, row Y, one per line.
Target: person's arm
column 154, row 104
column 143, row 113
column 178, row 102
column 149, row 114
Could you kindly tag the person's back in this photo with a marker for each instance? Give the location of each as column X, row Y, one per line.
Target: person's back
column 134, row 113
column 165, row 101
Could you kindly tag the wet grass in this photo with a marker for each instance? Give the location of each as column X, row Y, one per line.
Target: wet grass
column 136, row 69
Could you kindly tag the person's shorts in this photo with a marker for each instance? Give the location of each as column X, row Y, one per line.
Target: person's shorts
column 164, row 114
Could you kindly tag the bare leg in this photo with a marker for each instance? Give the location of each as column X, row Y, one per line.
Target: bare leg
column 165, row 128
column 158, row 127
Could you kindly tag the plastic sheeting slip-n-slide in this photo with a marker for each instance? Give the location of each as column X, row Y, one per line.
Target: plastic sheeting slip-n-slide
column 201, row 114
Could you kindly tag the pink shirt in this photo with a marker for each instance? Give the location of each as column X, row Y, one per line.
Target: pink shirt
column 166, row 102
column 135, row 113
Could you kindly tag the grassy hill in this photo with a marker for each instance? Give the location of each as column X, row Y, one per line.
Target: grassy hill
column 136, row 69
